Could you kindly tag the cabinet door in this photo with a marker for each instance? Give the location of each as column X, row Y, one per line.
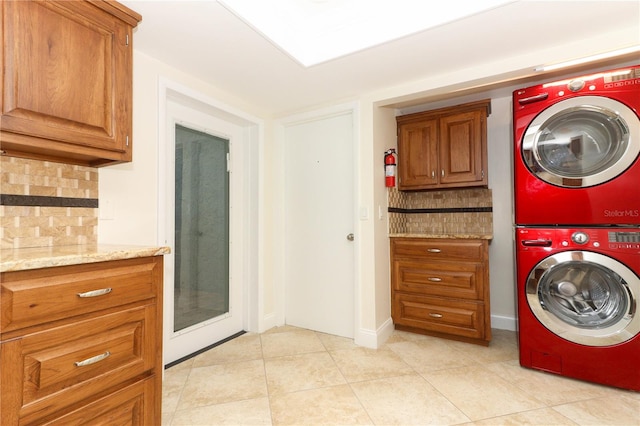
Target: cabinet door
column 418, row 155
column 461, row 149
column 66, row 87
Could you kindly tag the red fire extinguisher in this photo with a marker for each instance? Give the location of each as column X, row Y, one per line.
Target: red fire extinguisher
column 390, row 168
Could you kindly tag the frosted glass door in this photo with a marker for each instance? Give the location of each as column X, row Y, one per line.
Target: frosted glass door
column 201, row 273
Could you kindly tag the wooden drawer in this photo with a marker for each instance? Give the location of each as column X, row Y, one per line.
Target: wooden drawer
column 438, row 249
column 65, row 365
column 458, row 280
column 30, row 297
column 129, row 406
column 453, row 317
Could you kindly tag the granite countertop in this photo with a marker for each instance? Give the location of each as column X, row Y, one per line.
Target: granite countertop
column 445, row 236
column 45, row 257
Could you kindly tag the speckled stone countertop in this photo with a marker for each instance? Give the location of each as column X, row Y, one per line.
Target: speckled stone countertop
column 45, row 257
column 447, row 236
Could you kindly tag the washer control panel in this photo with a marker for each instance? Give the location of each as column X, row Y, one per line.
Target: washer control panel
column 618, row 239
column 624, row 240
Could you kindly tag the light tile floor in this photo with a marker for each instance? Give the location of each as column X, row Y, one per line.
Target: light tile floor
column 293, row 376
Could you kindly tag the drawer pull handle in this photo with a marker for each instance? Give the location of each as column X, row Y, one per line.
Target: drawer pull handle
column 94, row 293
column 435, row 315
column 434, row 250
column 93, row 359
column 434, row 279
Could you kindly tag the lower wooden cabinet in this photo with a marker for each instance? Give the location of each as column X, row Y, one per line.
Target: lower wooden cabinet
column 128, row 406
column 441, row 287
column 97, row 358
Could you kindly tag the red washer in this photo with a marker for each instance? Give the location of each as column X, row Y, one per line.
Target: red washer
column 578, row 298
column 577, row 150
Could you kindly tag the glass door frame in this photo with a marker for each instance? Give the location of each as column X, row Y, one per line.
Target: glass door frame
column 181, row 344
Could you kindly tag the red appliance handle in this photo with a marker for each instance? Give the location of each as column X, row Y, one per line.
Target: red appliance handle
column 536, row 243
column 532, row 99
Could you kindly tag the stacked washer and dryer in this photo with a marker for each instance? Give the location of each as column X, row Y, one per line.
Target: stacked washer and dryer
column 577, row 234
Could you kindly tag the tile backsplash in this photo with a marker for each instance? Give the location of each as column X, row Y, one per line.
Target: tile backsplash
column 447, row 212
column 47, row 204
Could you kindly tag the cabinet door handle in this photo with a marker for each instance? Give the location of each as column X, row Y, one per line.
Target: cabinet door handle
column 92, row 360
column 434, row 279
column 434, row 250
column 435, row 315
column 94, row 293
column 442, row 172
column 433, row 174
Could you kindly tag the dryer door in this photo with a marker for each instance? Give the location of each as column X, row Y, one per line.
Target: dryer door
column 582, row 141
column 585, row 297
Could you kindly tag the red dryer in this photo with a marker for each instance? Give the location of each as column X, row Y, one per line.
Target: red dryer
column 577, row 150
column 578, row 298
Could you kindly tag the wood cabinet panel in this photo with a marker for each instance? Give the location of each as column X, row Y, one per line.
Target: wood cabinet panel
column 448, row 317
column 29, row 298
column 461, row 148
column 418, row 143
column 69, row 99
column 439, row 249
column 444, row 148
column 125, row 407
column 441, row 287
column 74, row 364
column 52, row 380
column 459, row 280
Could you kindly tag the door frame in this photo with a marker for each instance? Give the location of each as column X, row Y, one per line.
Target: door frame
column 251, row 192
column 359, row 212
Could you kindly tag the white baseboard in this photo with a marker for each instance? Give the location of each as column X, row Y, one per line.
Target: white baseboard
column 503, row 323
column 374, row 338
column 268, row 321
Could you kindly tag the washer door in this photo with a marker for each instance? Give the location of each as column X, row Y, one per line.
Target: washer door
column 585, row 298
column 582, row 141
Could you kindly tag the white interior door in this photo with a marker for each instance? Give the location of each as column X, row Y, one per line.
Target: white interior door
column 319, row 220
column 203, row 300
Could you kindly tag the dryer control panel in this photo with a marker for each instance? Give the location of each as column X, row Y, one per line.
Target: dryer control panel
column 620, row 240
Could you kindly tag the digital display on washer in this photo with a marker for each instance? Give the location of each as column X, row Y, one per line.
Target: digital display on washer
column 624, row 237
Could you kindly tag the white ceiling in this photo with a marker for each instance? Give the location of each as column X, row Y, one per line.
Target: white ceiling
column 317, row 31
column 207, row 41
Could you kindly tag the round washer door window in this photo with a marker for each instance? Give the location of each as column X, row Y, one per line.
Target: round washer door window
column 582, row 141
column 585, row 297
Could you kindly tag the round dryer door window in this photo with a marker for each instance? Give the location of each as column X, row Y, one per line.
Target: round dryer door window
column 582, row 141
column 585, row 297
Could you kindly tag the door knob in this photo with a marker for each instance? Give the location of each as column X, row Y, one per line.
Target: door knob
column 351, row 237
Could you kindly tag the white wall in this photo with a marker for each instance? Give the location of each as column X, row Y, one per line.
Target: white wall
column 501, row 255
column 129, row 192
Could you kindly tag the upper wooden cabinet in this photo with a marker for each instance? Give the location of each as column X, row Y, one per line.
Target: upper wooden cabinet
column 66, row 90
column 444, row 148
